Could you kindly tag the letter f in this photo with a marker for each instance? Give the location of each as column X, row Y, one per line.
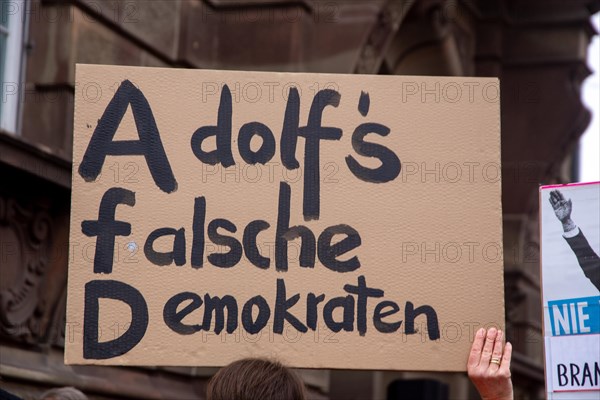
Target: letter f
column 106, row 228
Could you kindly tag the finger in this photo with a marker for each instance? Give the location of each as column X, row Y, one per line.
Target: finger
column 497, row 352
column 486, row 353
column 553, row 199
column 560, row 195
column 505, row 365
column 476, row 349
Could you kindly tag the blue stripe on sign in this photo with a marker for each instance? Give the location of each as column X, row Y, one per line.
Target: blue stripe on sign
column 575, row 316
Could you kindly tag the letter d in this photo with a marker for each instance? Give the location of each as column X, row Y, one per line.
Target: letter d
column 109, row 289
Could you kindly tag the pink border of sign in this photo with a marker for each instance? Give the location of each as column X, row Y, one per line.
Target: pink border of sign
column 569, row 184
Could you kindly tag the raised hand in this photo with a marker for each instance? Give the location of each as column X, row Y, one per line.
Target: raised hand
column 562, row 208
column 489, row 365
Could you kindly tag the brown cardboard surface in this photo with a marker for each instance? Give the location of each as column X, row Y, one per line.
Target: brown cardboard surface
column 431, row 236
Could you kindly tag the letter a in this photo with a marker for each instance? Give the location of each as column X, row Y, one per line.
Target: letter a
column 149, row 144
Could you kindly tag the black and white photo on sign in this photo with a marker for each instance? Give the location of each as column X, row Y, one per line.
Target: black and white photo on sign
column 571, row 241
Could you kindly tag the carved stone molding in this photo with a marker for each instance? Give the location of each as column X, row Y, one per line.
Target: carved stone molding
column 25, row 236
column 373, row 51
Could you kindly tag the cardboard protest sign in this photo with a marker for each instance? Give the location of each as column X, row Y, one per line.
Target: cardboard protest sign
column 331, row 221
column 570, row 236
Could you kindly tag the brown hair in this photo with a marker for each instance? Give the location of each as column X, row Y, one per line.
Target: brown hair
column 65, row 393
column 255, row 379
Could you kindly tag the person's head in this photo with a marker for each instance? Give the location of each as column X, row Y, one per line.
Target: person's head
column 65, row 393
column 255, row 379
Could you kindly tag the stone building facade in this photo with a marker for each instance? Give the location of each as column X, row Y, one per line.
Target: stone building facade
column 537, row 48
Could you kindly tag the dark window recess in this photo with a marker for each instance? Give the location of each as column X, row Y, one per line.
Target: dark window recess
column 417, row 389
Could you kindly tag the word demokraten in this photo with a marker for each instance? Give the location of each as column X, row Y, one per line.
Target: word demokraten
column 227, row 314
